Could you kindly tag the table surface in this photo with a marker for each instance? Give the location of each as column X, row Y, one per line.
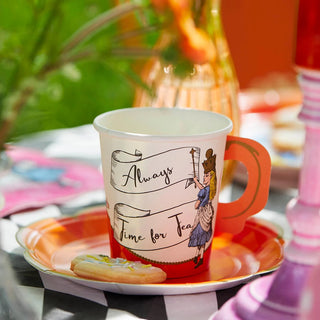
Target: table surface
column 43, row 296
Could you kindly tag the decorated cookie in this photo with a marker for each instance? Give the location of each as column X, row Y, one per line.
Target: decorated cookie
column 104, row 268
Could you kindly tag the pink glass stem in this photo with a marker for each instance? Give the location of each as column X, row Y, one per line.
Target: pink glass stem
column 303, row 212
column 277, row 297
column 310, row 175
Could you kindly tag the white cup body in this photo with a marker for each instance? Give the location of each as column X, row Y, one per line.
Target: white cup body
column 148, row 175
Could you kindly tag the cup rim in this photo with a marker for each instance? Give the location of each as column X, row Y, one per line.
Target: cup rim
column 216, row 132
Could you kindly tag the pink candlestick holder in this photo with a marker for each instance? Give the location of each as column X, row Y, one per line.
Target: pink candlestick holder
column 278, row 296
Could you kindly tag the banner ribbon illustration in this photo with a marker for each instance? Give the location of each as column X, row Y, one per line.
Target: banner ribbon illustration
column 158, row 230
column 132, row 173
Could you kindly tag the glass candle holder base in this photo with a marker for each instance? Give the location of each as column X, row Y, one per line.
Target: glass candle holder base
column 273, row 297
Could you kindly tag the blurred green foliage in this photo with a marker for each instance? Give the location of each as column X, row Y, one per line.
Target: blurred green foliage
column 32, row 32
column 64, row 102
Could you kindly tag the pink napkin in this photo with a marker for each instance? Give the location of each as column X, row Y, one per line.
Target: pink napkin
column 35, row 180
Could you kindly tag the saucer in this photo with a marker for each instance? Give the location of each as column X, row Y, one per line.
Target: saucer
column 51, row 244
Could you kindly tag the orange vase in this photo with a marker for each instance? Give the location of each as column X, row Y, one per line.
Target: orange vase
column 212, row 86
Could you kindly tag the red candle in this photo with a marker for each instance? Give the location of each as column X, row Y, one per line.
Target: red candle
column 308, row 35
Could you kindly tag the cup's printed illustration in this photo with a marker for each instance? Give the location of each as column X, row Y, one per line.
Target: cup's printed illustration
column 132, row 173
column 202, row 227
column 158, row 230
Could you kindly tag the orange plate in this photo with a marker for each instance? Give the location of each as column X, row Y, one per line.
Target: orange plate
column 51, row 244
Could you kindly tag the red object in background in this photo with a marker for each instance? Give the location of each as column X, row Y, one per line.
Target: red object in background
column 308, row 35
column 261, row 36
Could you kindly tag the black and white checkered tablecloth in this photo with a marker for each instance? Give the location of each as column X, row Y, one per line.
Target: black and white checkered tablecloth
column 52, row 297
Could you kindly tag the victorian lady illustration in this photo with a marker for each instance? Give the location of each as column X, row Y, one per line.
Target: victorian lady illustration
column 202, row 227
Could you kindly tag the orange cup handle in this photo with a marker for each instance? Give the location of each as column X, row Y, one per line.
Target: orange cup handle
column 231, row 217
